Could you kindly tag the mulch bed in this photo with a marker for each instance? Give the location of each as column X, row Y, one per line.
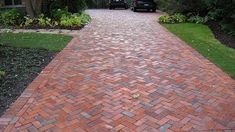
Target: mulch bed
column 22, row 66
column 223, row 37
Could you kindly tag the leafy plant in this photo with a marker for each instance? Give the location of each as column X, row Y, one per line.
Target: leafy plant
column 44, row 21
column 85, row 18
column 2, row 74
column 57, row 14
column 198, row 19
column 28, row 21
column 176, row 18
column 10, row 18
column 73, row 6
column 165, row 19
column 71, row 21
column 179, row 18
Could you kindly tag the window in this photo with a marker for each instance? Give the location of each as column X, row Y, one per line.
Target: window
column 12, row 2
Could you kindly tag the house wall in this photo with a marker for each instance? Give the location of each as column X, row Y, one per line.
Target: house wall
column 2, row 4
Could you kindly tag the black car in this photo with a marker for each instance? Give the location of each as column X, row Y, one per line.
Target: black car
column 149, row 5
column 118, row 4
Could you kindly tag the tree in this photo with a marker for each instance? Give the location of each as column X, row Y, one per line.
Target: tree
column 33, row 7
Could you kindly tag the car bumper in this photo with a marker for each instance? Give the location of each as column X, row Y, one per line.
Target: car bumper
column 117, row 5
column 142, row 6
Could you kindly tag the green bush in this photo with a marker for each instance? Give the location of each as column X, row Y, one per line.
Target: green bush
column 221, row 11
column 198, row 19
column 182, row 6
column 176, row 18
column 2, row 74
column 57, row 14
column 10, row 18
column 165, row 19
column 85, row 18
column 73, row 6
column 75, row 20
column 66, row 21
column 44, row 21
column 71, row 21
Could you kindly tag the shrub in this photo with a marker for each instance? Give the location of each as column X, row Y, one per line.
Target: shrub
column 221, row 11
column 57, row 14
column 2, row 74
column 44, row 21
column 71, row 21
column 198, row 19
column 176, row 18
column 165, row 19
column 85, row 18
column 73, row 6
column 179, row 18
column 10, row 18
column 75, row 20
column 183, row 6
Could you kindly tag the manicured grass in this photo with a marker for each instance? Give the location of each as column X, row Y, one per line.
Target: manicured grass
column 50, row 42
column 201, row 38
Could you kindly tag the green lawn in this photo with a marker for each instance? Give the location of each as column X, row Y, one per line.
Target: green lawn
column 50, row 42
column 201, row 38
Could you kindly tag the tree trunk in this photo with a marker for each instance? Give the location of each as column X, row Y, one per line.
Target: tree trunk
column 33, row 7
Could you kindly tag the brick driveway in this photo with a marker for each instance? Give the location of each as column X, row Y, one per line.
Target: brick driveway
column 124, row 72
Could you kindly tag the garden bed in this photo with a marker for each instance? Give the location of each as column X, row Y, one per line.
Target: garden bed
column 58, row 19
column 22, row 58
column 223, row 37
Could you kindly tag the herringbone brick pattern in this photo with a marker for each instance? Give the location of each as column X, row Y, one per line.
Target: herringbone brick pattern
column 124, row 72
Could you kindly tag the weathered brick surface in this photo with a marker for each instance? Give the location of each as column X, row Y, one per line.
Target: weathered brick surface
column 125, row 72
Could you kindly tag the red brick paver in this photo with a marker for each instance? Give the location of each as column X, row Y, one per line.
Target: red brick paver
column 124, row 72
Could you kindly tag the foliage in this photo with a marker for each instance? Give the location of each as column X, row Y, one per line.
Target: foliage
column 85, row 18
column 202, row 39
column 222, row 11
column 70, row 21
column 61, row 19
column 165, row 19
column 183, row 6
column 75, row 20
column 198, row 19
column 10, row 17
column 73, row 6
column 57, row 14
column 176, row 18
column 44, row 21
column 50, row 42
column 2, row 74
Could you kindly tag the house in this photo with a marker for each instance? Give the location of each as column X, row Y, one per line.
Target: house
column 12, row 3
column 8, row 4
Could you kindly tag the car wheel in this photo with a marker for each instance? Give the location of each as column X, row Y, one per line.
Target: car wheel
column 134, row 9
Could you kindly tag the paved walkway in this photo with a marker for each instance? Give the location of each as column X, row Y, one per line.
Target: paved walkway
column 125, row 72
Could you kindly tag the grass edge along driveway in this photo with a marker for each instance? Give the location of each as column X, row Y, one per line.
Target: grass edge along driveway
column 51, row 42
column 201, row 38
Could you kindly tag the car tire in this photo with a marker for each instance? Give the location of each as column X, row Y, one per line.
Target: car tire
column 134, row 9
